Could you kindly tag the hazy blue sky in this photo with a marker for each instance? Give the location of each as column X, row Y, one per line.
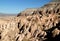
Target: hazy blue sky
column 15, row 6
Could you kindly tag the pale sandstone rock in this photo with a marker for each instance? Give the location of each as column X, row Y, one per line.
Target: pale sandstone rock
column 55, row 32
column 32, row 24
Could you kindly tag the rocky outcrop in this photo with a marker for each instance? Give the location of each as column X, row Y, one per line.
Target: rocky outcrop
column 40, row 24
column 28, row 11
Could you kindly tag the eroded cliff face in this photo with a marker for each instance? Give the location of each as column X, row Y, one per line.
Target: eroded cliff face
column 40, row 24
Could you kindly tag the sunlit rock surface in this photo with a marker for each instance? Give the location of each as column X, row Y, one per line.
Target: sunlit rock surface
column 38, row 24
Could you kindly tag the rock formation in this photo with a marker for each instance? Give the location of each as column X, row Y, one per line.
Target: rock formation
column 39, row 24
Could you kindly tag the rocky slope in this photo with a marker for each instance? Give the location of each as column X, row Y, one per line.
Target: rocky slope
column 39, row 24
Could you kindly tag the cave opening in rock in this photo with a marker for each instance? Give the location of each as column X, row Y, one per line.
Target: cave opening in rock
column 22, row 29
column 0, row 35
column 57, row 10
column 17, row 38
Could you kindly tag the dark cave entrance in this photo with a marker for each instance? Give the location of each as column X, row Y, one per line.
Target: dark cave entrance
column 49, row 34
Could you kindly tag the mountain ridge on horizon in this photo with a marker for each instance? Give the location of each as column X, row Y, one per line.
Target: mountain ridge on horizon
column 4, row 14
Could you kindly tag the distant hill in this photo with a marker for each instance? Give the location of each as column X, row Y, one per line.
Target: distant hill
column 1, row 14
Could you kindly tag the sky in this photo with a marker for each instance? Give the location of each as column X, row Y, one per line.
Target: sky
column 16, row 6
